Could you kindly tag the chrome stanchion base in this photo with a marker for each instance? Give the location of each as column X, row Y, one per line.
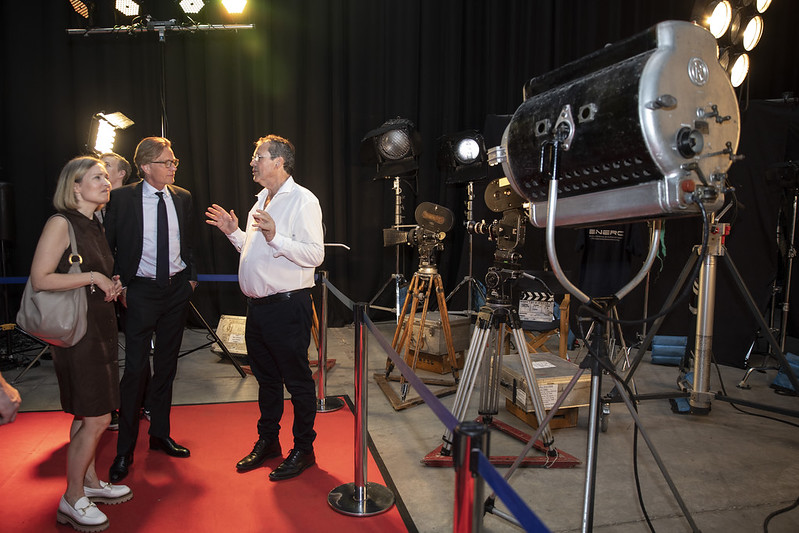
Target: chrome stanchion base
column 370, row 500
column 329, row 404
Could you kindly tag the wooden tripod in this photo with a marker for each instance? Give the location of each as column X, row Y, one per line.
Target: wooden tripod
column 409, row 338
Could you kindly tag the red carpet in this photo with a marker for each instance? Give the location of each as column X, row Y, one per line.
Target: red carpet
column 203, row 493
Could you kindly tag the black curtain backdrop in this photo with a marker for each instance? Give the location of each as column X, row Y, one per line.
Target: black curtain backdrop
column 321, row 73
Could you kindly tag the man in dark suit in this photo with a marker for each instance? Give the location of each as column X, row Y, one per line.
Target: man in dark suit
column 148, row 226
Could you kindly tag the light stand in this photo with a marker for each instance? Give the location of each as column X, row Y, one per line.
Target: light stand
column 468, row 280
column 397, row 278
column 786, row 289
column 162, row 27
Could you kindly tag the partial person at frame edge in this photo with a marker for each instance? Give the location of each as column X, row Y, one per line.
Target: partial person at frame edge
column 10, row 401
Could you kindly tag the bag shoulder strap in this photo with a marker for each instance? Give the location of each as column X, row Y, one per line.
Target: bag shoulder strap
column 74, row 257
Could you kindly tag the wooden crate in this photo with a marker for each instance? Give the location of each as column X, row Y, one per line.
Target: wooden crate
column 552, row 374
column 565, row 417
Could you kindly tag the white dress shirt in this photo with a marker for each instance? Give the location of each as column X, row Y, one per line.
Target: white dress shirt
column 150, row 232
column 288, row 262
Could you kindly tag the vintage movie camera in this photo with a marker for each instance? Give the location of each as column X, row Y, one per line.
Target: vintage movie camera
column 508, row 233
column 433, row 222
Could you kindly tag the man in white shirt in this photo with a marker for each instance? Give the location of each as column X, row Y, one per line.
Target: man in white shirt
column 280, row 248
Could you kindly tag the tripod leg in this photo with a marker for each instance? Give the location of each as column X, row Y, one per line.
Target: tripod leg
column 412, row 361
column 401, row 323
column 655, row 454
column 533, row 390
column 442, row 308
column 218, row 341
column 30, row 365
column 761, row 321
column 647, row 342
column 474, row 358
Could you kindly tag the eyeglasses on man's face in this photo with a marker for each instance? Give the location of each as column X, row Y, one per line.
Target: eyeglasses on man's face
column 169, row 163
column 258, row 157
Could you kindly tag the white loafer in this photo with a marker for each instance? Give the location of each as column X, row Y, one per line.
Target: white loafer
column 108, row 493
column 85, row 516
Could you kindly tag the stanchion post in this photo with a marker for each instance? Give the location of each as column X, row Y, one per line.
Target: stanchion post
column 323, row 403
column 470, row 438
column 360, row 498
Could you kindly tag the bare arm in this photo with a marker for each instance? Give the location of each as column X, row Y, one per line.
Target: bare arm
column 52, row 243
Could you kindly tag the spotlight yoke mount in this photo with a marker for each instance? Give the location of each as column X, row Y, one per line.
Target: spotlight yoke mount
column 644, row 126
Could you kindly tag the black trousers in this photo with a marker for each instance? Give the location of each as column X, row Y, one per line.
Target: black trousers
column 277, row 336
column 162, row 311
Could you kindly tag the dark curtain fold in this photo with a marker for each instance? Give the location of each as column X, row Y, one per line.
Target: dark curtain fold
column 321, row 74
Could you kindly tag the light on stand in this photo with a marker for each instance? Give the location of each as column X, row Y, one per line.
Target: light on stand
column 103, row 131
column 234, row 6
column 80, row 8
column 643, row 136
column 191, row 6
column 394, row 148
column 462, row 156
column 129, row 8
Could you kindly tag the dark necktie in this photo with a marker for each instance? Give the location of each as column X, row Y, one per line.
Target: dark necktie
column 162, row 244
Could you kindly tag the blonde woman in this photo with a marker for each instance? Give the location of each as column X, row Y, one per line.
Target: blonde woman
column 88, row 373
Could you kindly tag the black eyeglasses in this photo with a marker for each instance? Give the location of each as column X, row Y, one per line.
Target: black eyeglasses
column 169, row 163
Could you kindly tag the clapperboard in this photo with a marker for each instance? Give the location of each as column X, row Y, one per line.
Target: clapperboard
column 536, row 306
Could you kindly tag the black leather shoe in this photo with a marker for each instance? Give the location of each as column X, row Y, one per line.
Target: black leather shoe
column 295, row 463
column 169, row 446
column 262, row 451
column 119, row 468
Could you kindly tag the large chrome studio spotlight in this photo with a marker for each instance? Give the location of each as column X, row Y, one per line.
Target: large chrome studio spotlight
column 394, row 147
column 645, row 127
column 462, row 156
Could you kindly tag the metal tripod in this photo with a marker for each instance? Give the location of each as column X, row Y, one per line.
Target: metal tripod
column 493, row 320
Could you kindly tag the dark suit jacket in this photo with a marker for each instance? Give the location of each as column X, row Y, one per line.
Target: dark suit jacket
column 124, row 228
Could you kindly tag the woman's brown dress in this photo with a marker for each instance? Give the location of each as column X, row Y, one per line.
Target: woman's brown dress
column 88, row 373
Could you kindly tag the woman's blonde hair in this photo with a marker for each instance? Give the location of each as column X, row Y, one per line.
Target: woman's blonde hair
column 73, row 172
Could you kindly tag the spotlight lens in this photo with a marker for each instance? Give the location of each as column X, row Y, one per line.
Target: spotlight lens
column 129, row 8
column 467, row 151
column 191, row 6
column 739, row 70
column 719, row 20
column 106, row 134
column 394, row 144
column 762, row 5
column 752, row 33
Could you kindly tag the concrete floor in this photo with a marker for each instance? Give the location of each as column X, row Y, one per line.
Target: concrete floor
column 732, row 467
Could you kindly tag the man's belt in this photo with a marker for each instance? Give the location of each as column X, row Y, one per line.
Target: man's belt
column 277, row 297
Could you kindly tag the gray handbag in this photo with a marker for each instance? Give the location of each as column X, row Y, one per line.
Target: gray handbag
column 56, row 317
